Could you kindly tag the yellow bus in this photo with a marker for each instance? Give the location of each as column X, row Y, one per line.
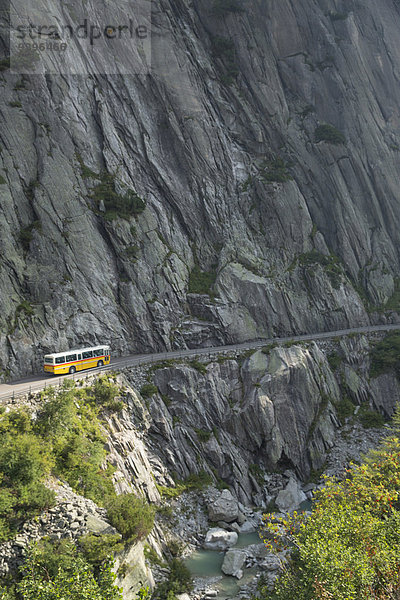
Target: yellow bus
column 77, row 360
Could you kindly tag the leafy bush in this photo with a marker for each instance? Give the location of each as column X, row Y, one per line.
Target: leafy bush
column 385, row 356
column 349, row 547
column 178, row 582
column 132, row 516
column 202, row 435
column 334, row 360
column 345, row 408
column 276, row 170
column 117, row 205
column 329, row 133
column 201, row 282
column 370, row 418
column 26, row 235
column 97, row 549
column 2, row 180
column 148, row 389
column 58, row 571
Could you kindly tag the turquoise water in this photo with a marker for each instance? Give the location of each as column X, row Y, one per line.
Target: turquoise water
column 207, row 563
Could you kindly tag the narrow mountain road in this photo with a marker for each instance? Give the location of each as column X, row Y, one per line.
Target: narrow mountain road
column 39, row 382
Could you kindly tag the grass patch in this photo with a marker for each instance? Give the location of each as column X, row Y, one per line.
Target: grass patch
column 199, row 366
column 196, row 481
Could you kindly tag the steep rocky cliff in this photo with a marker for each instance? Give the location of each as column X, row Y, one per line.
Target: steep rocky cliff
column 290, row 225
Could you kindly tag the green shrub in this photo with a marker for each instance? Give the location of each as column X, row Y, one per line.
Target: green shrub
column 224, row 49
column 329, row 133
column 179, row 581
column 276, row 170
column 98, row 548
column 203, row 436
column 385, row 356
column 345, row 408
column 131, row 516
column 331, row 265
column 58, row 571
column 148, row 389
column 199, row 366
column 4, row 64
column 116, row 204
column 334, row 360
column 201, row 282
column 348, row 548
column 2, row 180
column 370, row 418
column 26, row 234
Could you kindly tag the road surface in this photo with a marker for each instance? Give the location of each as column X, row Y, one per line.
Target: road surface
column 39, row 382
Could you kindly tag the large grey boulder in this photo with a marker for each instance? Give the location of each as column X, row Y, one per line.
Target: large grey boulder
column 225, row 508
column 291, row 497
column 219, row 539
column 233, row 563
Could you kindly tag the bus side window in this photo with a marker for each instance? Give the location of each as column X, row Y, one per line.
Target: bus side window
column 60, row 360
column 88, row 354
column 79, row 356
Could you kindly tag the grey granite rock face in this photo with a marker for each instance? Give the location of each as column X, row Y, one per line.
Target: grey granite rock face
column 288, row 256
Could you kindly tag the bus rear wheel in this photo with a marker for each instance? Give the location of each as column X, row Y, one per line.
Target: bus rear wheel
column 72, row 370
column 100, row 363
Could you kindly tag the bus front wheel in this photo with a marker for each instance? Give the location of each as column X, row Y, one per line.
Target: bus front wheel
column 100, row 363
column 72, row 370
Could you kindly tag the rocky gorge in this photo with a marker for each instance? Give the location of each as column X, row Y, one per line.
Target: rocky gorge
column 257, row 428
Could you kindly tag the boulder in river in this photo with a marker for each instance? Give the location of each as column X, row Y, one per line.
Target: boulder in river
column 224, row 508
column 219, row 539
column 233, row 563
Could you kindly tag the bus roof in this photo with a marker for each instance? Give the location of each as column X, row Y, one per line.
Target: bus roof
column 80, row 350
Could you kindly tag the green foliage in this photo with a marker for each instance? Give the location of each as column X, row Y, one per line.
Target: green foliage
column 224, row 50
column 26, row 234
column 148, row 390
column 276, row 170
column 178, row 582
column 24, row 463
column 97, row 548
column 59, row 571
column 4, row 64
column 204, row 436
column 345, row 408
column 337, row 16
column 329, row 133
column 201, row 282
column 331, row 265
column 117, row 205
column 394, row 301
column 223, row 7
column 257, row 473
column 86, row 172
column 2, row 180
column 132, row 516
column 199, row 366
column 195, row 481
column 334, row 360
column 105, row 392
column 385, row 356
column 370, row 418
column 15, row 104
column 24, row 308
column 349, row 547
